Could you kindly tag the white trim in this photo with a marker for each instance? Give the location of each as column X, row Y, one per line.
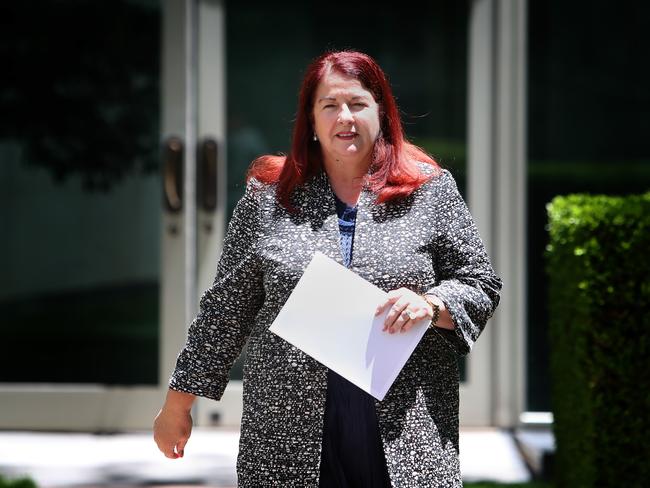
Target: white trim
column 211, row 229
column 510, row 192
column 190, row 149
column 212, row 124
column 172, row 265
column 497, row 191
column 476, row 391
column 531, row 419
column 78, row 407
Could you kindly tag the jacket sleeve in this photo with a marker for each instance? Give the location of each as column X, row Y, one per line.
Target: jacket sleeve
column 227, row 309
column 465, row 282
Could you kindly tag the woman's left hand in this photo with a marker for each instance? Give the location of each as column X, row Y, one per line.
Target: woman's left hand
column 407, row 308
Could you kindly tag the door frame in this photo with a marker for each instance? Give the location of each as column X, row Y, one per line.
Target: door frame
column 192, row 76
column 497, row 199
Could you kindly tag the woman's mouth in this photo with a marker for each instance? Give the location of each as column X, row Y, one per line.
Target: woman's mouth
column 347, row 136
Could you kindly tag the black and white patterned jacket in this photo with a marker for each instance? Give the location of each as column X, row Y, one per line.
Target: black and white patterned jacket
column 427, row 242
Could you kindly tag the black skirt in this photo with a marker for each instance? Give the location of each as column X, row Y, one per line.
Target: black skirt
column 352, row 454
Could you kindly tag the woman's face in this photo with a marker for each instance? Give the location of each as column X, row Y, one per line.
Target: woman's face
column 346, row 120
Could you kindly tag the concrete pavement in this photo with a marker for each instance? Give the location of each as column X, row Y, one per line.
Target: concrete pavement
column 132, row 459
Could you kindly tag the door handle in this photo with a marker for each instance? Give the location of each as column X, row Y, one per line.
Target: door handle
column 207, row 172
column 173, row 174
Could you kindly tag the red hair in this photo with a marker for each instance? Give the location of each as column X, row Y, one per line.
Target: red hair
column 393, row 172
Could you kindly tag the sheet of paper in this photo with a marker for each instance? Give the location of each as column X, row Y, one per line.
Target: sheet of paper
column 330, row 315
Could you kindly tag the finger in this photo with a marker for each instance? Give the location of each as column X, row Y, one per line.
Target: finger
column 381, row 307
column 168, row 450
column 392, row 318
column 394, row 312
column 389, row 301
column 392, row 297
column 165, row 446
column 400, row 322
column 180, row 447
column 419, row 315
column 397, row 322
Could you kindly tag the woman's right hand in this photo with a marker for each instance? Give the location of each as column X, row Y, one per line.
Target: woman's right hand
column 173, row 424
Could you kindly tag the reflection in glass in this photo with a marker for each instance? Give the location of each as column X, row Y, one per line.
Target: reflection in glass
column 80, row 196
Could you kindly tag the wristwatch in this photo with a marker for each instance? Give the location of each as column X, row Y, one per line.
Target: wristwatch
column 436, row 311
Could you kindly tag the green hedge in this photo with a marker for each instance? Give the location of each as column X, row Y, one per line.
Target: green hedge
column 16, row 483
column 598, row 261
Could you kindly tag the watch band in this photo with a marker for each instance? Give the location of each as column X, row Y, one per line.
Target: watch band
column 436, row 311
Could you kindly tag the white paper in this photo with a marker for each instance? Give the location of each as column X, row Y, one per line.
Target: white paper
column 330, row 315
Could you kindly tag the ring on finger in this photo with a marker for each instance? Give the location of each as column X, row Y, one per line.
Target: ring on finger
column 408, row 315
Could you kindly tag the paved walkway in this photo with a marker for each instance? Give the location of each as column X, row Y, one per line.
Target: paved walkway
column 127, row 460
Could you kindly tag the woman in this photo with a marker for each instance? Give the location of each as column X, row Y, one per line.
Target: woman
column 353, row 188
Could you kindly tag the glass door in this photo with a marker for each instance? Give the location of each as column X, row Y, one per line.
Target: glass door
column 94, row 249
column 426, row 58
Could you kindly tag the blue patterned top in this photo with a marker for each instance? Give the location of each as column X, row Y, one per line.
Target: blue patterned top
column 347, row 218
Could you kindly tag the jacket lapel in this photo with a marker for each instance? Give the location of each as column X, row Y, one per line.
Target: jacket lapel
column 319, row 208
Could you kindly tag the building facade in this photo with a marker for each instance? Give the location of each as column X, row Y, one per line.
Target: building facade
column 129, row 127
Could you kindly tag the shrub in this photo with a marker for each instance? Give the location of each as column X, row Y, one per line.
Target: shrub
column 16, row 483
column 598, row 262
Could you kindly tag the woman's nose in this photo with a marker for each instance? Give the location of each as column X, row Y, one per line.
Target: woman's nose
column 345, row 115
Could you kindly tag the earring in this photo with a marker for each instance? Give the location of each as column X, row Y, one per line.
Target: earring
column 315, row 137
